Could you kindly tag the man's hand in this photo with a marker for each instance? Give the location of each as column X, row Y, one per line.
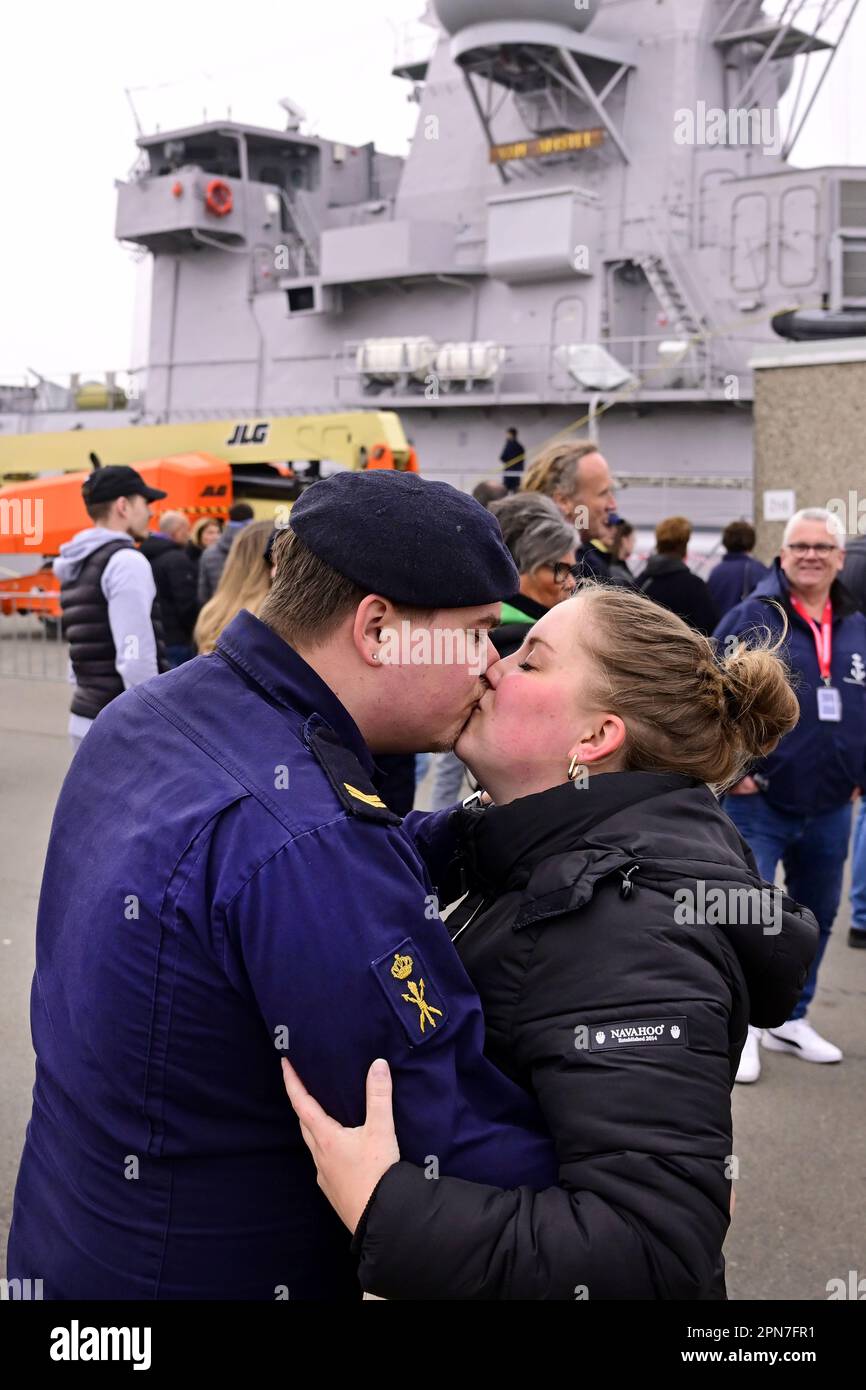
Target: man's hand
column 746, row 787
column 350, row 1162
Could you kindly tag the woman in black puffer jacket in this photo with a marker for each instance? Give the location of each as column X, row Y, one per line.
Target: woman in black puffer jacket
column 621, row 940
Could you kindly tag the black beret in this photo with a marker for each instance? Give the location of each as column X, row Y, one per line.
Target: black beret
column 414, row 541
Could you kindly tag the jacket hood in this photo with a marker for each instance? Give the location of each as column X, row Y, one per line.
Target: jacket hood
column 158, row 545
column 649, row 833
column 73, row 553
column 664, row 564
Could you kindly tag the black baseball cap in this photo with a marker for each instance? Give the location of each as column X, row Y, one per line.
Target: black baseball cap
column 105, row 484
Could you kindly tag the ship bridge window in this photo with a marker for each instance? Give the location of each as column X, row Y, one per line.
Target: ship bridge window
column 272, row 173
column 854, row 273
column 214, row 156
column 852, row 203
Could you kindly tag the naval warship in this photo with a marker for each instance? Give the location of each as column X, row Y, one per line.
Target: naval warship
column 595, row 227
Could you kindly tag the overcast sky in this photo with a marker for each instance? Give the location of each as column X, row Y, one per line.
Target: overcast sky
column 67, row 290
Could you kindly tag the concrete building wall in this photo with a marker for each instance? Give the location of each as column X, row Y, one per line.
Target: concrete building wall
column 810, row 436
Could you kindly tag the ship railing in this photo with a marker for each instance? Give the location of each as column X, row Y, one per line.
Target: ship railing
column 535, row 371
column 31, row 647
column 84, row 391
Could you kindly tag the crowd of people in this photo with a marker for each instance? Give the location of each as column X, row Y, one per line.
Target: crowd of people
column 572, row 1087
column 794, row 807
column 559, row 521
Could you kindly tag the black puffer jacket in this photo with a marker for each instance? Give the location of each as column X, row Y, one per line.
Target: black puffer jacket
column 669, row 581
column 577, row 929
column 174, row 573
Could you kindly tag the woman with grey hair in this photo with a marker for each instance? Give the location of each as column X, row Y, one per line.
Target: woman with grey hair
column 544, row 549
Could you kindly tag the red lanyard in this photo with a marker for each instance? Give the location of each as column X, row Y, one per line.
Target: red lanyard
column 824, row 642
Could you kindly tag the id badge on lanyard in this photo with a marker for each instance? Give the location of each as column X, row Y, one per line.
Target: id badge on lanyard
column 829, row 699
column 829, row 704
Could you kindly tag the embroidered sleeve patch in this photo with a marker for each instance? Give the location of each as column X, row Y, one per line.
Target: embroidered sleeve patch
column 410, row 991
column 638, row 1032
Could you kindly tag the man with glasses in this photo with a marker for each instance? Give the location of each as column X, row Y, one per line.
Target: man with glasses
column 795, row 804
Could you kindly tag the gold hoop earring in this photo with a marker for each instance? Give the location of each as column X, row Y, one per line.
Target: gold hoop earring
column 573, row 768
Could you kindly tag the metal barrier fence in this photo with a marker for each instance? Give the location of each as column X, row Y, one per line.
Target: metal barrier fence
column 30, row 644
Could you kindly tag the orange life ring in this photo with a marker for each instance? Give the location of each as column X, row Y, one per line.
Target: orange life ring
column 218, row 198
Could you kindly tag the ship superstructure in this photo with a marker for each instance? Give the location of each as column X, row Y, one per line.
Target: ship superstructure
column 594, row 228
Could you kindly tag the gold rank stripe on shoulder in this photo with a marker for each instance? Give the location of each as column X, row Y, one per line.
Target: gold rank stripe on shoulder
column 365, row 797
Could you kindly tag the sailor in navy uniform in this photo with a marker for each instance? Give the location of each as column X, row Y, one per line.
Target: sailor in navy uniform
column 224, row 885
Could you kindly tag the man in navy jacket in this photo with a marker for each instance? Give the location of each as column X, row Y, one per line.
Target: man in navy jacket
column 224, row 885
column 795, row 806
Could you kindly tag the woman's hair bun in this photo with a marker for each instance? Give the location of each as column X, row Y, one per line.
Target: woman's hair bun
column 758, row 695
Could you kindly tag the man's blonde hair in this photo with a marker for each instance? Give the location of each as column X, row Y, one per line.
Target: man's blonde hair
column 556, row 470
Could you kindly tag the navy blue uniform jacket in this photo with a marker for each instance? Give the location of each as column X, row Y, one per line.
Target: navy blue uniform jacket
column 224, row 885
column 818, row 764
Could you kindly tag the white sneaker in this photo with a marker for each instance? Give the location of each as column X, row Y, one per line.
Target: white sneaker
column 798, row 1037
column 750, row 1062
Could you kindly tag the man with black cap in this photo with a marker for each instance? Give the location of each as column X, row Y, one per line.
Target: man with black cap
column 108, row 594
column 248, row 894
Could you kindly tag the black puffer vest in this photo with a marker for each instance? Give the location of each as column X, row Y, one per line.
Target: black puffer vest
column 88, row 632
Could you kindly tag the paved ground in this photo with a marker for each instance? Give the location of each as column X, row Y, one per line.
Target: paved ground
column 800, row 1132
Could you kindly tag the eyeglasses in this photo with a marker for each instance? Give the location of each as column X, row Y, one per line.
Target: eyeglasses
column 822, row 548
column 565, row 574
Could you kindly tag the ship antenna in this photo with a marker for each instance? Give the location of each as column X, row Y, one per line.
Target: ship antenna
column 128, row 94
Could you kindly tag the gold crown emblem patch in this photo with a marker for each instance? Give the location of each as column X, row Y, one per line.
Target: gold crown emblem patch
column 402, row 967
column 411, row 993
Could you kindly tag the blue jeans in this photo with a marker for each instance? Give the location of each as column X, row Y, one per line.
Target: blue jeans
column 447, row 781
column 858, row 872
column 813, row 850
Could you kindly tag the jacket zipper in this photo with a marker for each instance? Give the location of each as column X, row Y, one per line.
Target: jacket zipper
column 469, row 921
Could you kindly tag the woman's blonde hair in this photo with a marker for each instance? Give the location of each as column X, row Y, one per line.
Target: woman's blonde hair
column 245, row 582
column 685, row 709
column 556, row 469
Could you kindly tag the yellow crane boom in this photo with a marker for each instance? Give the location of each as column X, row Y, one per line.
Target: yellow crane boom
column 348, row 439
